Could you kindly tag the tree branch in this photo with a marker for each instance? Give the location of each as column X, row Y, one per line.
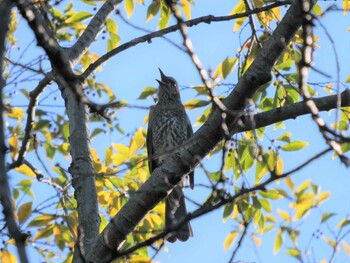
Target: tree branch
column 204, row 140
column 193, row 22
column 5, row 192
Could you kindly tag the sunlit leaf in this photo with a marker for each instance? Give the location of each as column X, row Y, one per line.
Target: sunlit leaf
column 111, row 26
column 42, row 233
column 284, row 215
column 294, row 252
column 278, row 242
column 229, row 240
column 265, row 204
column 294, row 146
column 129, row 7
column 113, row 41
column 192, row 104
column 41, row 220
column 239, row 8
column 7, row 257
column 343, row 223
column 346, row 247
column 78, row 17
column 326, row 216
column 322, row 196
column 16, row 113
column 187, row 8
column 147, row 92
column 24, row 169
column 284, row 137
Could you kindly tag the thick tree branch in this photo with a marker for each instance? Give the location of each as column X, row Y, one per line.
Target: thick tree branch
column 291, row 111
column 5, row 192
column 225, row 200
column 204, row 140
column 89, row 35
column 193, row 22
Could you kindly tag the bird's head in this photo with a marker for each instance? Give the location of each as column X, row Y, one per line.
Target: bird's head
column 168, row 88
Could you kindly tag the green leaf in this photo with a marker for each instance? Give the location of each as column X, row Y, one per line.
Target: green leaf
column 271, row 194
column 111, row 26
column 228, row 65
column 96, row 132
column 78, row 17
column 228, row 209
column 152, row 10
column 278, row 242
column 193, row 104
column 24, row 211
column 164, row 17
column 285, row 137
column 41, row 220
column 294, row 252
column 294, row 146
column 326, row 216
column 343, row 222
column 129, row 7
column 113, row 41
column 265, row 204
column 147, row 92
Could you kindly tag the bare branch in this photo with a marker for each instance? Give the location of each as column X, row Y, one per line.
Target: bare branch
column 304, row 67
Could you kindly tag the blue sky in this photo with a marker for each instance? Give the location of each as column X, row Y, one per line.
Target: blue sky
column 131, row 71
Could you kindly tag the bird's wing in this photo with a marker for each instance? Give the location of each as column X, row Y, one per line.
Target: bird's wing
column 189, row 134
column 149, row 143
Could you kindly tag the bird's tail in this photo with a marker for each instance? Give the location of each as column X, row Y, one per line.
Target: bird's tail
column 175, row 211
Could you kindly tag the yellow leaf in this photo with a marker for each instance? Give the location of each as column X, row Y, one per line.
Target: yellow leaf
column 346, row 247
column 24, row 212
column 290, row 183
column 7, row 257
column 24, row 169
column 45, row 232
column 279, row 165
column 346, row 6
column 41, row 220
column 322, row 196
column 257, row 241
column 229, row 240
column 14, row 147
column 121, row 148
column 187, row 8
column 239, row 8
column 16, row 113
column 331, row 242
column 284, row 215
column 137, row 142
column 140, row 259
column 129, row 7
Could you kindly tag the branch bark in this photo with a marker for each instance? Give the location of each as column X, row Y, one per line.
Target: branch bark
column 62, row 63
column 202, row 142
column 5, row 192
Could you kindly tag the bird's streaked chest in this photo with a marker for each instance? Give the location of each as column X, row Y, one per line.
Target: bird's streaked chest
column 169, row 129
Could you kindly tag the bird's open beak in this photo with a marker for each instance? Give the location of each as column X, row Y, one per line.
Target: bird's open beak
column 164, row 78
column 160, row 82
column 162, row 75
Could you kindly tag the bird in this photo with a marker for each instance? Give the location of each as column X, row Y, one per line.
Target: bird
column 169, row 127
